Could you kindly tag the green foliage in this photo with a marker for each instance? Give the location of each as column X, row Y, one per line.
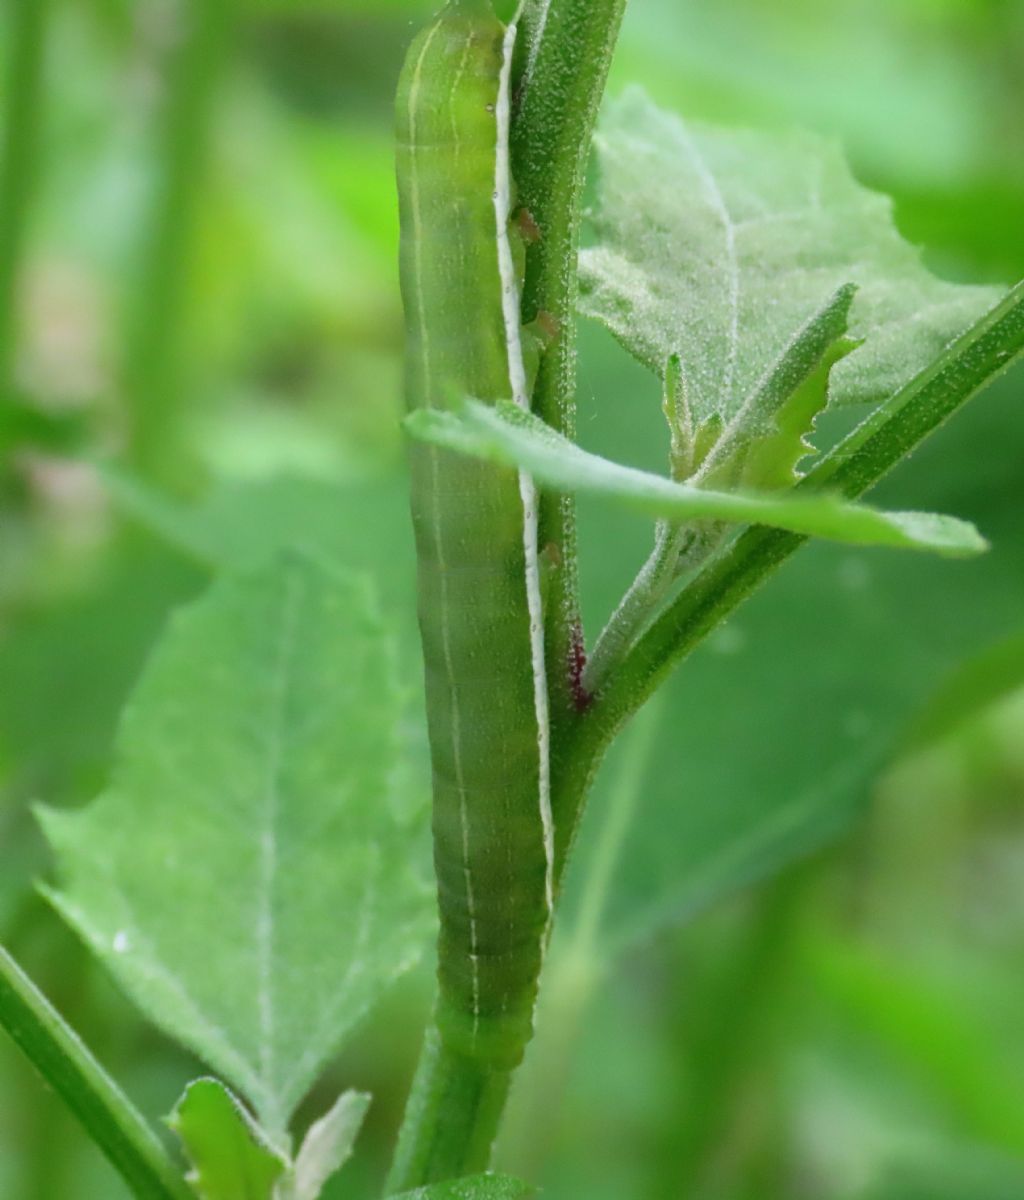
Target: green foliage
column 249, row 263
column 251, row 825
column 507, row 435
column 231, row 1159
column 734, row 241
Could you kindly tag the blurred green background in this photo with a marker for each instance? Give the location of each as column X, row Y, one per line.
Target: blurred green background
column 791, row 963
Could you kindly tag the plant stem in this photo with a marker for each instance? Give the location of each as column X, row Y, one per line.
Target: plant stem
column 570, row 52
column 451, row 1119
column 106, row 1113
column 18, row 150
column 152, row 373
column 637, row 606
column 456, row 1104
column 892, row 431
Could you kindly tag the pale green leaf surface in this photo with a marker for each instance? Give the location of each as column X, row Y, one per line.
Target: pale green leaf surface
column 476, row 1187
column 717, row 245
column 230, row 1155
column 328, row 1144
column 359, row 525
column 248, row 877
column 508, row 435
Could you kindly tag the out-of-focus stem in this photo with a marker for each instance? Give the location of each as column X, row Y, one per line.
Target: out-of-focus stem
column 153, row 375
column 19, row 146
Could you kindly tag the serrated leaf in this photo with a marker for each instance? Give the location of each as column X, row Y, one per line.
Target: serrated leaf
column 766, row 439
column 231, row 1157
column 328, row 1145
column 773, row 460
column 247, row 877
column 506, row 434
column 718, row 244
column 476, row 1187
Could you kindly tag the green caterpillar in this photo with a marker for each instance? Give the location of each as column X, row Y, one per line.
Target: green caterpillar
column 475, row 525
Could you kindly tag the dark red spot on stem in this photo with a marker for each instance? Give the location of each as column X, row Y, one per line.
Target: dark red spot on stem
column 529, row 230
column 581, row 698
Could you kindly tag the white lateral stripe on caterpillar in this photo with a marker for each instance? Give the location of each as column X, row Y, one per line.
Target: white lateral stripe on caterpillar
column 527, row 487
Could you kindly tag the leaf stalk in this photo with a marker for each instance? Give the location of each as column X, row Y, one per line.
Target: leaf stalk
column 105, row 1112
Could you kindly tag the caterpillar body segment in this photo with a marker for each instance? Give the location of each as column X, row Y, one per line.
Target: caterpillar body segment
column 475, row 527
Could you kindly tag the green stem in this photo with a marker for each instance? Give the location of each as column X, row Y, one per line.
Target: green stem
column 893, row 430
column 153, row 367
column 571, row 44
column 637, row 606
column 18, row 146
column 106, row 1113
column 451, row 1120
column 456, row 1105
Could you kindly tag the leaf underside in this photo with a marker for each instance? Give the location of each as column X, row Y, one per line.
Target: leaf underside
column 328, row 1145
column 507, row 435
column 248, row 877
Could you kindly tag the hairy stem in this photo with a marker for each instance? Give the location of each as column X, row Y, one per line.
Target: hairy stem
column 637, row 606
column 105, row 1112
column 18, row 152
column 985, row 351
column 570, row 44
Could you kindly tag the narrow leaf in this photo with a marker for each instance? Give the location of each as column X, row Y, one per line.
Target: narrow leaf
column 476, row 1187
column 505, row 434
column 231, row 1157
column 717, row 244
column 328, row 1144
column 248, row 877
